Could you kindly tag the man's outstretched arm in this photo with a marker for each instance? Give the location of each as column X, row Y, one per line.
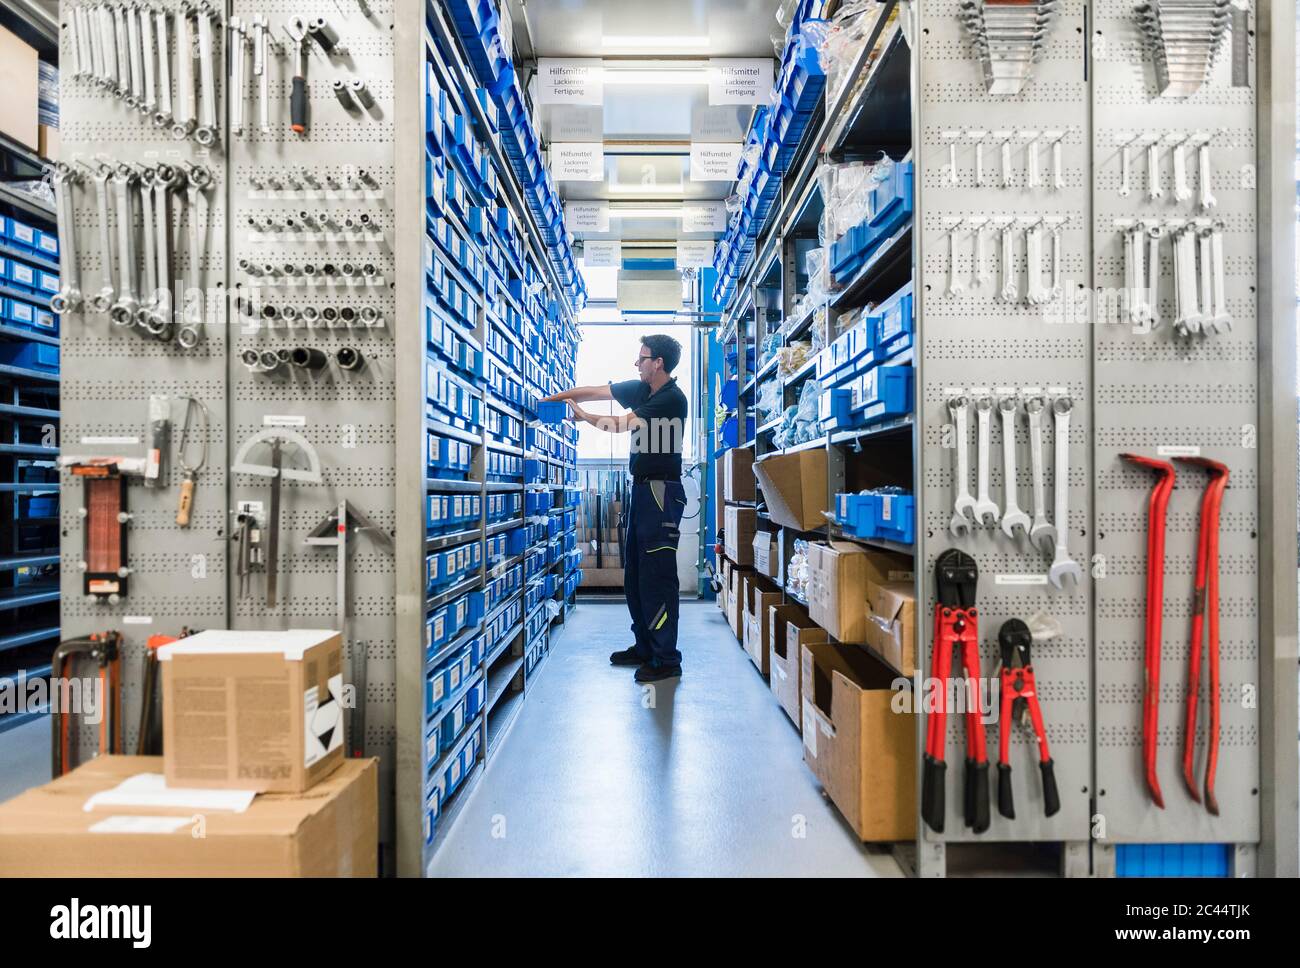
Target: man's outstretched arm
column 621, row 424
column 581, row 394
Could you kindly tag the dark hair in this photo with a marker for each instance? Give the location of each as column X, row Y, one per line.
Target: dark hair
column 665, row 348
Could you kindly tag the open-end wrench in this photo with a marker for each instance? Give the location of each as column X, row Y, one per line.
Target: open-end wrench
column 183, row 122
column 1031, row 159
column 238, row 53
column 1205, row 273
column 149, row 281
column 149, row 45
column 1062, row 563
column 108, row 47
column 964, row 503
column 1005, row 149
column 1221, row 320
column 1182, row 191
column 74, row 41
column 1058, row 167
column 1124, row 166
column 1153, row 234
column 103, row 300
column 1041, row 533
column 980, row 273
column 198, row 180
column 955, row 285
column 1207, row 200
column 1035, row 291
column 1155, row 191
column 262, row 70
column 1055, row 289
column 68, row 298
column 978, row 138
column 1012, row 517
column 163, row 116
column 88, row 31
column 206, row 133
column 1189, row 310
column 986, row 509
column 1010, row 280
column 122, row 312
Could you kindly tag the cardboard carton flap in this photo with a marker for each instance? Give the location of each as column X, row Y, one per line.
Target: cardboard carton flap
column 887, row 602
column 291, row 644
column 794, row 487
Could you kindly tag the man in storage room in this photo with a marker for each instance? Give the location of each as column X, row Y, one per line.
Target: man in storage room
column 657, row 423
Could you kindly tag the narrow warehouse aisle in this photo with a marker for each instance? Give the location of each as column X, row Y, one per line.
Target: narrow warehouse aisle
column 710, row 781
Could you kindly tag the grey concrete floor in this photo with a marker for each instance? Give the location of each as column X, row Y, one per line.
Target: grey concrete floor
column 702, row 776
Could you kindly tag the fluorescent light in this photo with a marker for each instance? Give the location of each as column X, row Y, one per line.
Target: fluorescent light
column 678, row 77
column 647, row 212
column 631, row 188
column 667, row 44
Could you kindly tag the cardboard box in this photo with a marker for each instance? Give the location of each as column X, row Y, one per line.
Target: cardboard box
column 249, row 710
column 760, row 595
column 48, row 145
column 839, row 574
column 19, row 81
column 767, row 559
column 738, row 474
column 331, row 831
column 794, row 487
column 862, row 752
column 789, row 628
column 719, row 496
column 736, row 599
column 740, row 528
column 891, row 623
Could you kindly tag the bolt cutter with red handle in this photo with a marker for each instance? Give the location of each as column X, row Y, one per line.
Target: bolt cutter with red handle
column 1020, row 697
column 956, row 626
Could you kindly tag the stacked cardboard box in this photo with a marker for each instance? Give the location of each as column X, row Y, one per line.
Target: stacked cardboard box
column 761, row 596
column 864, row 597
column 790, row 629
column 736, row 486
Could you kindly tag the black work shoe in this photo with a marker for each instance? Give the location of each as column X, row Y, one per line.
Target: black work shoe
column 649, row 673
column 628, row 657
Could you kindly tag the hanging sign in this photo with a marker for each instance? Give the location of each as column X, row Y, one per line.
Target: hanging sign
column 569, row 80
column 739, row 80
column 586, row 216
column 602, row 255
column 694, row 255
column 714, row 162
column 578, row 161
column 709, row 217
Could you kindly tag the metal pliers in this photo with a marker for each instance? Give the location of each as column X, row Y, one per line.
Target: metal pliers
column 1020, row 697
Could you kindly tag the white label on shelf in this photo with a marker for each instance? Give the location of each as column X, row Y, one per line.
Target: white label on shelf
column 714, row 162
column 283, row 420
column 574, row 161
column 570, row 80
column 1058, row 391
column 979, row 391
column 709, row 217
column 586, row 216
column 694, row 255
column 1032, row 391
column 115, row 441
column 137, row 619
column 739, row 80
column 953, row 391
column 902, row 576
column 602, row 255
column 251, row 508
column 1179, row 450
column 1020, row 579
column 887, row 507
column 1004, row 391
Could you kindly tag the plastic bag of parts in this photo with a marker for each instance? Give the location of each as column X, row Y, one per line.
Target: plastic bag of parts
column 808, row 396
column 843, row 42
column 793, row 356
column 781, row 437
column 818, row 330
column 771, row 344
column 797, row 570
column 819, row 279
column 768, row 400
column 552, row 608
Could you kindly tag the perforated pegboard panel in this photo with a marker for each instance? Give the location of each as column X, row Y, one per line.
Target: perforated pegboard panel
column 1156, row 390
column 975, row 339
column 178, row 575
column 347, row 416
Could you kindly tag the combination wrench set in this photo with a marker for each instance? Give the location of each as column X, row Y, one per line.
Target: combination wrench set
column 1179, row 143
column 1199, row 287
column 137, row 245
column 127, row 49
column 1030, row 142
column 980, row 510
column 1043, row 276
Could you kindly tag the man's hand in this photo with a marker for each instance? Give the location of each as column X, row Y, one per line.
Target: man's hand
column 576, row 413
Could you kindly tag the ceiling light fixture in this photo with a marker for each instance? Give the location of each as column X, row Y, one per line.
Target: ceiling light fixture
column 675, row 76
column 631, row 188
column 666, row 44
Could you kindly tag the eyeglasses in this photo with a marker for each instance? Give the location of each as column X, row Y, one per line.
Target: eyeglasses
column 642, row 359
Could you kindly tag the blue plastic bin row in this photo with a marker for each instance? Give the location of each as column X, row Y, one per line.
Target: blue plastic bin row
column 453, row 512
column 26, row 315
column 504, row 466
column 880, row 514
column 451, row 345
column 446, row 623
column 533, row 594
column 499, row 626
column 450, row 395
column 536, row 623
column 537, row 502
column 444, row 682
column 20, row 275
column 18, row 233
column 32, row 356
column 494, row 593
column 534, row 563
column 450, row 565
column 446, row 457
column 503, row 507
column 891, row 209
column 502, row 426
